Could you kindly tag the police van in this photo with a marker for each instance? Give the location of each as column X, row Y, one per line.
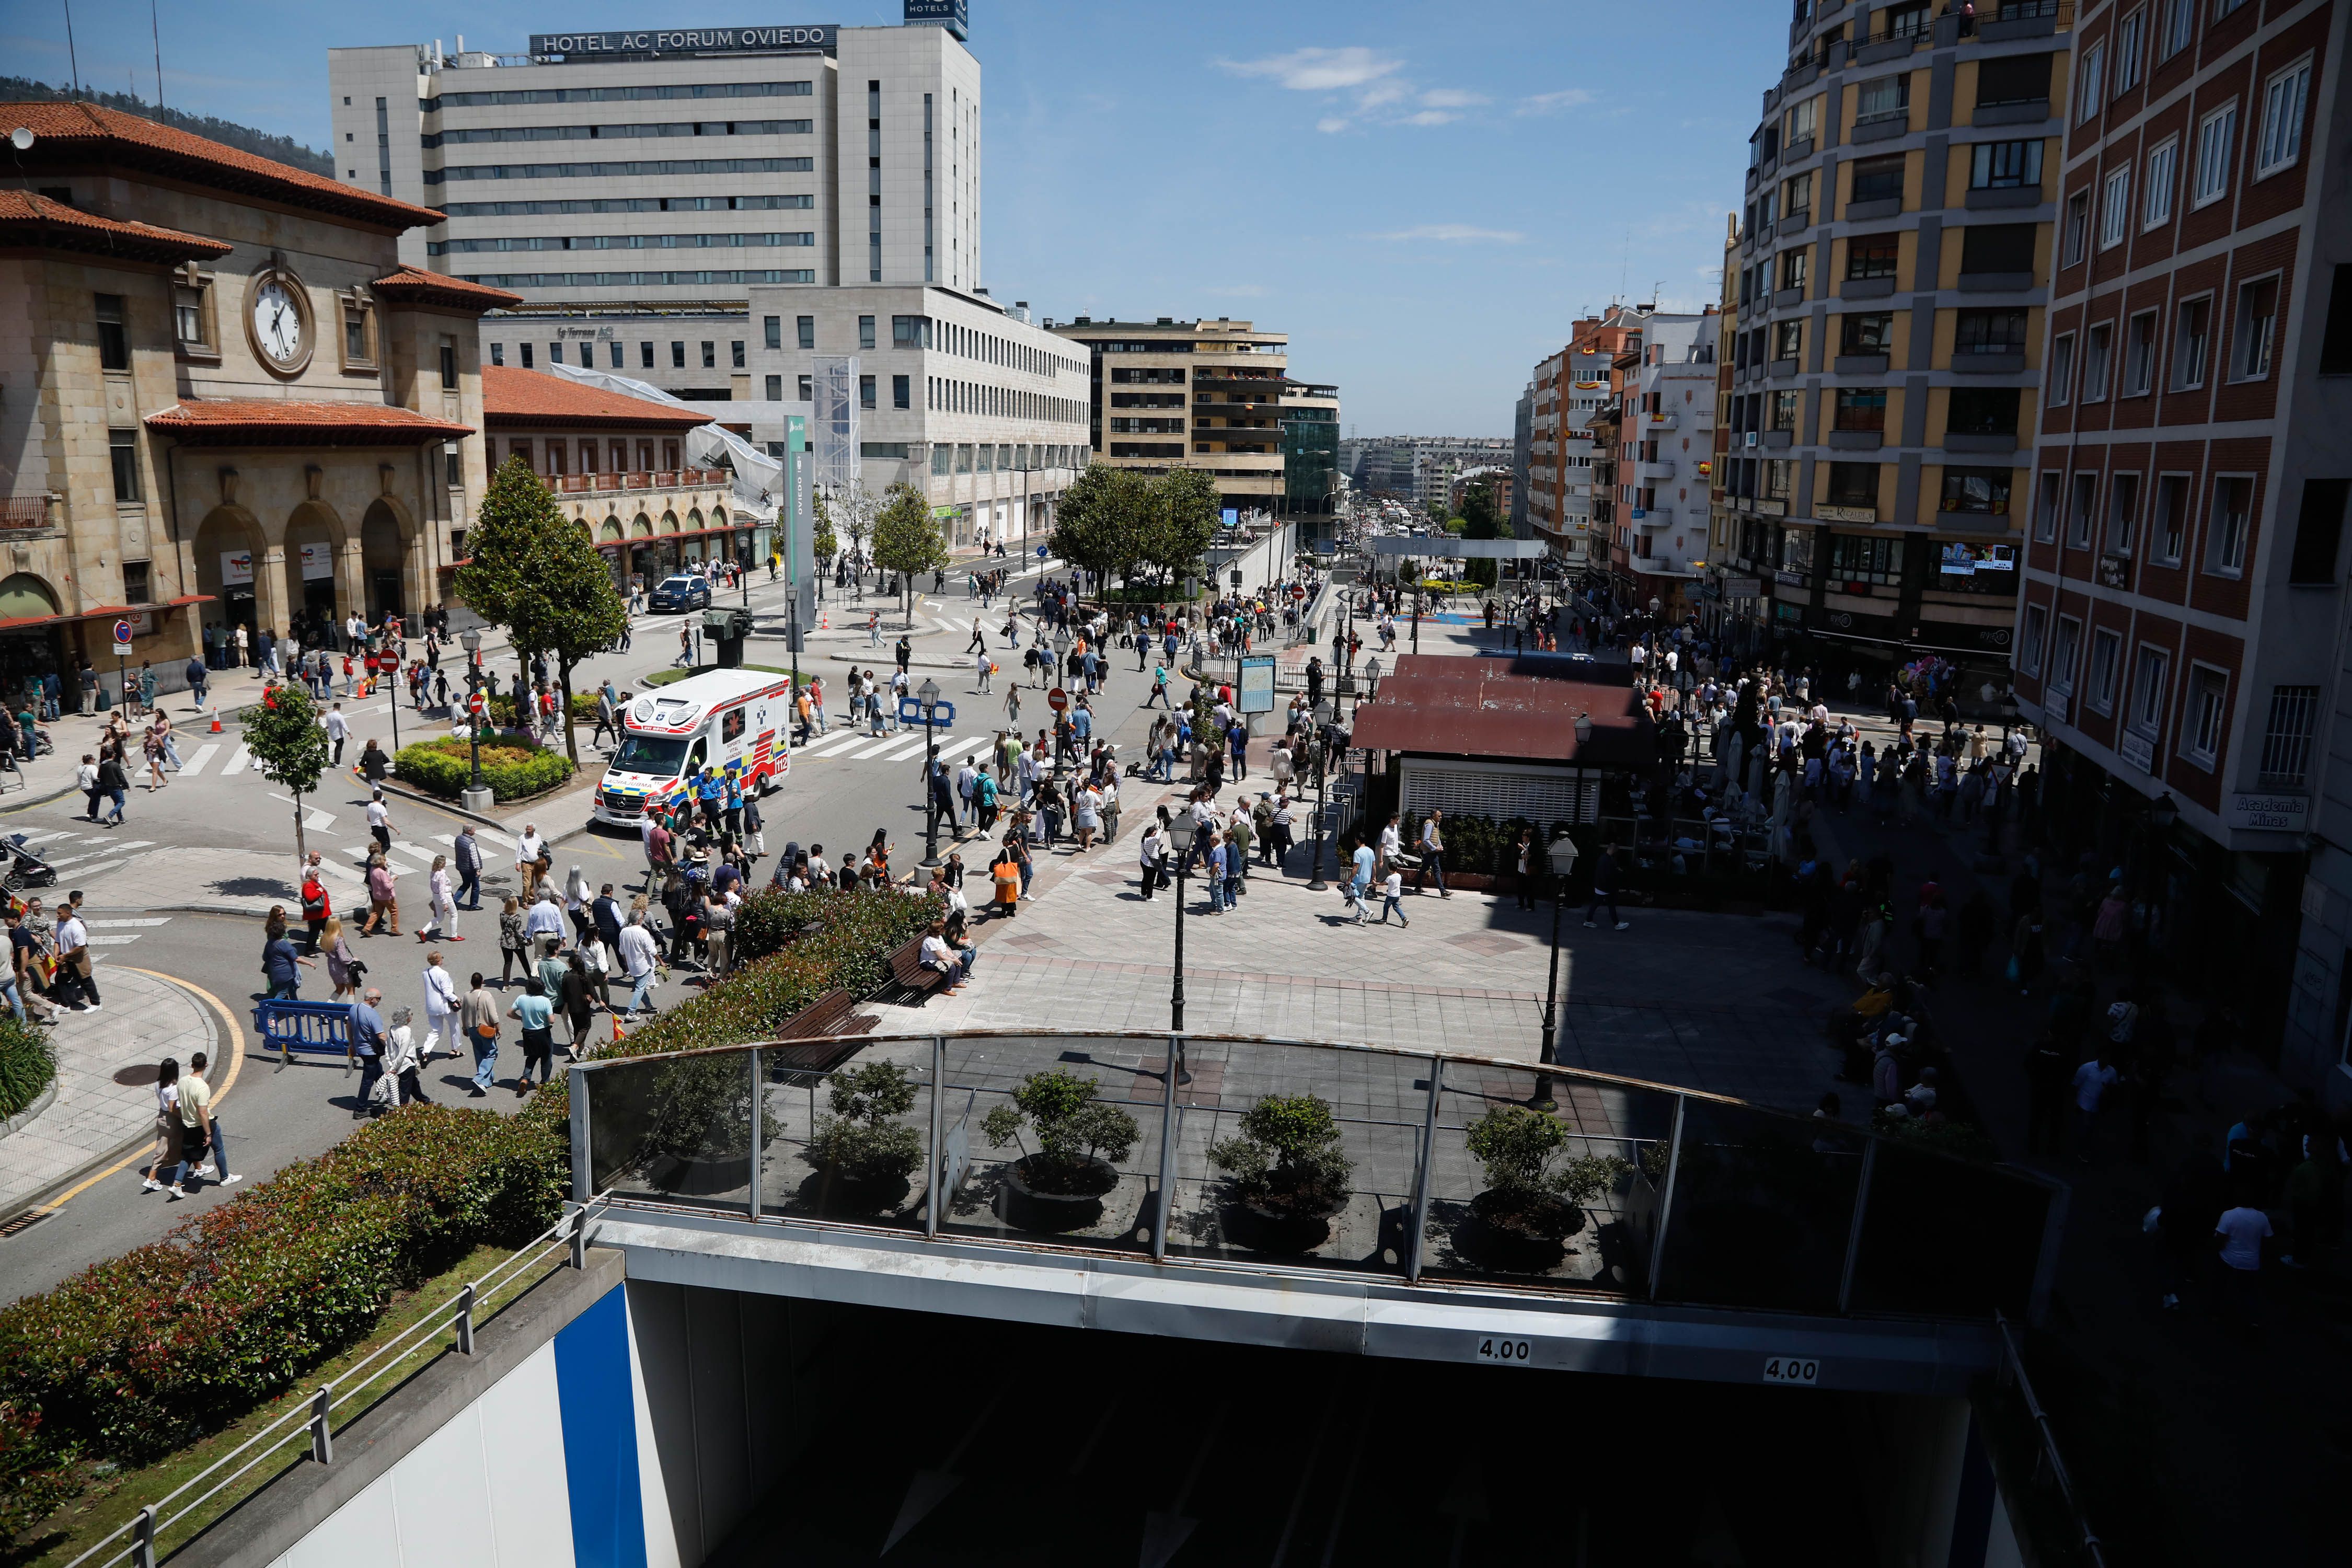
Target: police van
column 735, row 720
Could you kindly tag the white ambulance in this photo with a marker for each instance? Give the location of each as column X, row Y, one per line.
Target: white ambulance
column 735, row 720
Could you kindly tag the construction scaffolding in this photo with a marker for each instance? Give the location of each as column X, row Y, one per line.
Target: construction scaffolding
column 833, row 430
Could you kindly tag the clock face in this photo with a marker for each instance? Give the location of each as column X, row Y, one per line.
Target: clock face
column 278, row 322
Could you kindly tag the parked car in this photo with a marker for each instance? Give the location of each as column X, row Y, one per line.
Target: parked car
column 684, row 592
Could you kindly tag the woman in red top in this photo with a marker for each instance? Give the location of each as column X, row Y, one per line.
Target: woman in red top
column 317, row 908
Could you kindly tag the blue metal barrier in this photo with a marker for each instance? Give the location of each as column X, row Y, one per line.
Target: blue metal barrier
column 315, row 1028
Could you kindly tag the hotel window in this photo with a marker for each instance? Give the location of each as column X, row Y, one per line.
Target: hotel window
column 2062, row 655
column 2225, row 551
column 2078, row 514
column 2078, row 226
column 2035, row 631
column 526, row 356
column 2162, row 166
column 2209, row 714
column 2139, row 355
column 807, row 389
column 2151, row 682
column 864, row 392
column 2099, row 684
column 113, row 333
column 498, row 353
column 1866, row 332
column 735, row 354
column 806, row 328
column 2257, row 322
column 772, row 331
column 1871, row 255
column 1888, row 98
column 2171, row 517
column 901, row 391
column 1861, row 408
column 2115, row 209
column 2093, row 82
column 2215, row 133
column 2282, row 104
column 2045, row 509
column 2176, row 24
column 2286, row 737
column 864, row 331
column 2007, row 165
column 555, row 353
column 615, row 356
column 2122, row 512
column 122, row 449
column 2094, row 362
column 2128, row 34
column 645, row 354
column 2192, row 330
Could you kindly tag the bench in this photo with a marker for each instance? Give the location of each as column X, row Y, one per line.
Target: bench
column 817, row 1039
column 907, row 969
column 831, row 1015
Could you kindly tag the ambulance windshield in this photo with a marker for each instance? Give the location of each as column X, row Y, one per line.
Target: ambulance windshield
column 657, row 754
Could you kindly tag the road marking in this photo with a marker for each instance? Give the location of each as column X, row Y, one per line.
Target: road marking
column 895, row 750
column 405, row 847
column 111, row 925
column 877, row 749
column 198, row 758
column 235, row 764
column 114, row 941
column 345, row 872
column 134, row 844
column 495, row 837
column 313, row 817
column 100, row 870
column 840, row 739
column 31, row 839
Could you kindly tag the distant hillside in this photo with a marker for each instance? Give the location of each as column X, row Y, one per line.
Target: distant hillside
column 285, row 149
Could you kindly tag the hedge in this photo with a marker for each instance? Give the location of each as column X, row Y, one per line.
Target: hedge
column 513, row 766
column 27, row 1064
column 140, row 1355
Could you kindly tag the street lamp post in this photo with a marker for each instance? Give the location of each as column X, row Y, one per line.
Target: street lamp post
column 1061, row 652
column 1563, row 860
column 471, row 640
column 928, row 694
column 1180, row 829
column 1323, row 712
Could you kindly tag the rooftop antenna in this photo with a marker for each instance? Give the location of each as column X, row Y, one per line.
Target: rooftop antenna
column 73, row 60
column 156, row 31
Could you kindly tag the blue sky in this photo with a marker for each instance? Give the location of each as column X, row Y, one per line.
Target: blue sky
column 1423, row 196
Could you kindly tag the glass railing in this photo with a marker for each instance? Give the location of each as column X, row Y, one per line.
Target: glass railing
column 1280, row 1156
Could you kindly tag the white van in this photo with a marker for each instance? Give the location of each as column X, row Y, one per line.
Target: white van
column 736, row 720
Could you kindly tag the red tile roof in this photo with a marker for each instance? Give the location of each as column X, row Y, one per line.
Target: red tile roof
column 274, row 422
column 1521, row 708
column 28, row 219
column 513, row 398
column 79, row 134
column 414, row 285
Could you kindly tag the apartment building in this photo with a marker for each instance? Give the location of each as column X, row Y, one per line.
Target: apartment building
column 1666, row 427
column 970, row 403
column 1310, row 448
column 1204, row 394
column 2180, row 623
column 1523, row 420
column 1727, row 606
column 1893, row 254
column 1569, row 388
column 632, row 187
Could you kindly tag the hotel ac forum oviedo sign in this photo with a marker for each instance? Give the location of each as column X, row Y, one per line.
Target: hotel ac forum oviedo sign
column 685, row 41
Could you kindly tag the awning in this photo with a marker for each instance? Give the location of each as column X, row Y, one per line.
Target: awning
column 102, row 613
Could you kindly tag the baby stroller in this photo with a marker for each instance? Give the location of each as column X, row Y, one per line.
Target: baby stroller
column 27, row 869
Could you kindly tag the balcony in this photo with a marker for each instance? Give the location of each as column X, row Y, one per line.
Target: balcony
column 1656, row 467
column 1711, row 1223
column 635, row 479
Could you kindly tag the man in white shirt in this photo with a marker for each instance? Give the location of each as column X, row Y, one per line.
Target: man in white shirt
column 528, row 849
column 2240, row 1233
column 543, row 923
column 440, row 1003
column 379, row 820
column 640, row 957
column 73, row 953
column 339, row 730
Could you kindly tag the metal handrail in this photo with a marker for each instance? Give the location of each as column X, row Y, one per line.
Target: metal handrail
column 314, row 1419
column 2012, row 1368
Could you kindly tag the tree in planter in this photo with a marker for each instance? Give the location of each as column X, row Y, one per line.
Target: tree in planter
column 907, row 539
column 1072, row 1129
column 290, row 748
column 535, row 573
column 859, row 1141
column 1286, row 1155
column 1529, row 1185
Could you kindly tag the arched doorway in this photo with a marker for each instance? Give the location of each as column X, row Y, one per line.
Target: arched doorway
column 383, row 557
column 228, row 549
column 27, row 653
column 314, row 546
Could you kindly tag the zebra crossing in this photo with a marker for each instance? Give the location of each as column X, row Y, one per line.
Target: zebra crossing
column 860, row 745
column 407, row 858
column 86, row 856
column 237, row 759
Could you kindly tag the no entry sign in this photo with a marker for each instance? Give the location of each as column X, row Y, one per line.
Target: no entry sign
column 1057, row 699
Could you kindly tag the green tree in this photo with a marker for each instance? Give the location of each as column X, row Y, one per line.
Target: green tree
column 1104, row 520
column 291, row 747
column 1182, row 521
column 535, row 573
column 907, row 538
column 1482, row 519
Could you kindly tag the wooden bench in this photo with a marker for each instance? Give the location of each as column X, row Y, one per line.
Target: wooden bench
column 907, row 969
column 832, row 1014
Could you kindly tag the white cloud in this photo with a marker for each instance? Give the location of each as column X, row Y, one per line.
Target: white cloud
column 1553, row 103
column 1451, row 233
column 1319, row 70
column 1332, row 123
column 1451, row 97
column 1431, row 117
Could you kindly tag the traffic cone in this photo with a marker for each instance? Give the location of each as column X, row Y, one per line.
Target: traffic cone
column 217, row 727
column 825, row 621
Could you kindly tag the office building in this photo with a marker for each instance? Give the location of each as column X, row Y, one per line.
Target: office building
column 1894, row 251
column 970, row 403
column 633, row 187
column 1419, row 468
column 2180, row 626
column 224, row 399
column 1310, row 448
column 1205, row 394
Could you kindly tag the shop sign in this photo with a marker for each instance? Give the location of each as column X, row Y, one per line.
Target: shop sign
column 236, row 566
column 318, row 561
column 2137, row 750
column 685, row 41
column 1963, row 560
column 2263, row 812
column 1772, row 508
column 1742, row 588
column 1789, row 579
column 1846, row 513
